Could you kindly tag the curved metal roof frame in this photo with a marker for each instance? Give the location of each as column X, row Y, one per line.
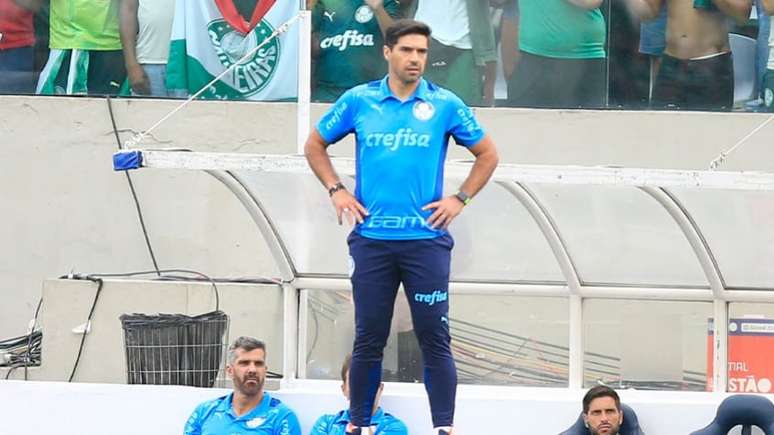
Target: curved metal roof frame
column 261, row 218
column 552, row 234
column 547, row 226
column 292, row 355
column 693, row 235
column 654, row 183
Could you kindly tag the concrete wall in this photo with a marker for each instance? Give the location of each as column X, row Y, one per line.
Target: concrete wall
column 253, row 310
column 65, row 209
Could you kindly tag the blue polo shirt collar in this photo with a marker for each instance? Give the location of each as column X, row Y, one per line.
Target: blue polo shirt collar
column 375, row 419
column 227, row 407
column 420, row 93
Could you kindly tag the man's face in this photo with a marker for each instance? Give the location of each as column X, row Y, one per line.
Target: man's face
column 248, row 371
column 603, row 417
column 408, row 57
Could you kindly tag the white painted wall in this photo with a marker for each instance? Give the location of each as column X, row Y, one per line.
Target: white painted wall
column 84, row 409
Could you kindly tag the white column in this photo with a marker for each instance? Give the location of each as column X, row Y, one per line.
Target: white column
column 720, row 344
column 304, row 79
column 576, row 342
column 289, row 334
column 303, row 332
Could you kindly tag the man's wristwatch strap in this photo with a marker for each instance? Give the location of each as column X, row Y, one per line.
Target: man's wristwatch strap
column 335, row 188
column 463, row 197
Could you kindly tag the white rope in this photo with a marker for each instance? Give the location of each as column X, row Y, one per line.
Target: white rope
column 135, row 140
column 724, row 154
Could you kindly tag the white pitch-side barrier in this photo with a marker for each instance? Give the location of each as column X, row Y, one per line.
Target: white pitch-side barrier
column 37, row 408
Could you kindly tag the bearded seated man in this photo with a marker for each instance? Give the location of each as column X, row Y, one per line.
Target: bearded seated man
column 249, row 409
column 604, row 414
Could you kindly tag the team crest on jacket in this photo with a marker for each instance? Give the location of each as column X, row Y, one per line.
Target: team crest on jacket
column 364, row 14
column 254, row 423
column 423, row 110
column 252, row 74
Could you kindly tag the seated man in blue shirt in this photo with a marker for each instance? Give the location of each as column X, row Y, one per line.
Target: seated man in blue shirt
column 249, row 409
column 336, row 424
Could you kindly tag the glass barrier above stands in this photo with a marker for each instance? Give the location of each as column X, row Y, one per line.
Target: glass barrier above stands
column 511, row 53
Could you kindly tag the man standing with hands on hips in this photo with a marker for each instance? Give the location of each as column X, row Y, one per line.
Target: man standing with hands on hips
column 402, row 125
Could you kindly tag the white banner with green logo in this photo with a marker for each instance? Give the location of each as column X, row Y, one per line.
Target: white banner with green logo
column 204, row 45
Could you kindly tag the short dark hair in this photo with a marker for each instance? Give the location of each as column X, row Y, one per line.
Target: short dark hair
column 405, row 27
column 597, row 392
column 345, row 367
column 247, row 344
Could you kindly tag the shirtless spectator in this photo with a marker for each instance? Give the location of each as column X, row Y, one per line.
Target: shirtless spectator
column 696, row 68
column 562, row 55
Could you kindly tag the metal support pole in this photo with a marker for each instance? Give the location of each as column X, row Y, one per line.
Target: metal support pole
column 289, row 334
column 575, row 377
column 303, row 332
column 720, row 344
column 562, row 255
column 303, row 112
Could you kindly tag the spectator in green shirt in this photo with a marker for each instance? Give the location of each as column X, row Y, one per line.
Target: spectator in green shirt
column 86, row 55
column 347, row 43
column 562, row 62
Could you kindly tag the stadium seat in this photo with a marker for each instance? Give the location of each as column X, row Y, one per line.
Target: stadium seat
column 630, row 425
column 742, row 409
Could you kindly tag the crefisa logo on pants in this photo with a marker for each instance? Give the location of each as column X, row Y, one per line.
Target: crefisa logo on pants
column 432, row 298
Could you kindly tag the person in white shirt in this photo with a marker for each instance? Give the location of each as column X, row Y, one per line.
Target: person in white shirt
column 146, row 26
column 463, row 53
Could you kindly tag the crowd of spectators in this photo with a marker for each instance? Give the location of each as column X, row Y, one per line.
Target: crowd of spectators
column 547, row 53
